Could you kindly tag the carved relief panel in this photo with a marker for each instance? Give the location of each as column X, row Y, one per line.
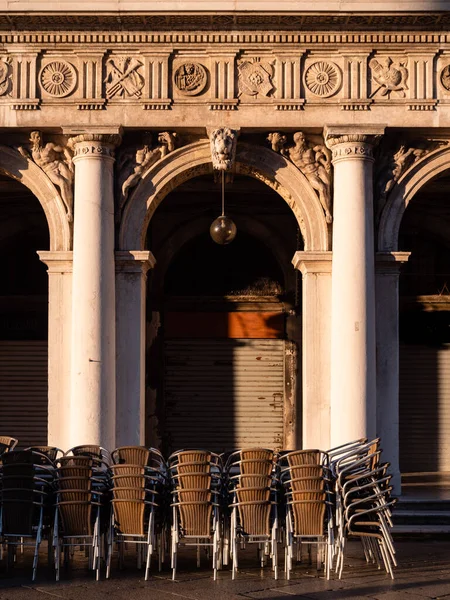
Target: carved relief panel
column 322, row 77
column 57, row 77
column 389, row 77
column 443, row 77
column 191, row 78
column 124, row 77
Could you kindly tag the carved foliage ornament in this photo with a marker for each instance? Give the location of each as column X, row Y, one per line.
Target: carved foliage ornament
column 58, row 78
column 190, row 79
column 323, row 79
column 255, row 78
column 223, row 143
column 389, row 76
column 123, row 77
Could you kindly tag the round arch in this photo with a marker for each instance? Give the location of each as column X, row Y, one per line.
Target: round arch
column 254, row 161
column 22, row 169
column 190, row 231
column 412, row 181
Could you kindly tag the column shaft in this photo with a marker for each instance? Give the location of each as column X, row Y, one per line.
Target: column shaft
column 353, row 381
column 93, row 309
column 131, row 273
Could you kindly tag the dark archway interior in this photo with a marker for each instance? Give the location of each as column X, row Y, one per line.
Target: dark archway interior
column 23, row 316
column 209, row 292
column 24, row 281
column 244, row 267
column 425, row 332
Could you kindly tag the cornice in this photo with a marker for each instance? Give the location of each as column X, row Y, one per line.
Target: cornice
column 226, row 21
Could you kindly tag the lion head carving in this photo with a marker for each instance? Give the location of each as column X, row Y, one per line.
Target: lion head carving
column 223, row 148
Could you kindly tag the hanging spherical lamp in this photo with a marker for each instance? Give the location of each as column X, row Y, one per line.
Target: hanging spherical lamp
column 223, row 230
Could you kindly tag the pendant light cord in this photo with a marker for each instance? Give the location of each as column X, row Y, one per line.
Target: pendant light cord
column 223, row 193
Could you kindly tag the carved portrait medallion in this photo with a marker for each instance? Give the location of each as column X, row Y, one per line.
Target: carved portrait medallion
column 323, row 79
column 190, row 79
column 255, row 78
column 58, row 78
column 445, row 78
column 5, row 76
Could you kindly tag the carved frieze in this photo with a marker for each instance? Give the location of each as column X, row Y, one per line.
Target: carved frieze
column 323, row 78
column 158, row 78
column 123, row 77
column 255, row 78
column 190, row 79
column 389, row 77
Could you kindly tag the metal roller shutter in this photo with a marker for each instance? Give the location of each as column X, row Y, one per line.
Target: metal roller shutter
column 23, row 391
column 424, row 408
column 224, row 394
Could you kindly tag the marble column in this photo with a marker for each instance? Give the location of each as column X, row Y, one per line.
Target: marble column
column 387, row 271
column 59, row 270
column 353, row 380
column 316, row 322
column 93, row 377
column 131, row 275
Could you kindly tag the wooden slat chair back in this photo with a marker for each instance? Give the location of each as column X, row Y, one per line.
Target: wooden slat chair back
column 7, row 443
column 50, row 452
column 309, row 514
column 196, row 477
column 131, row 455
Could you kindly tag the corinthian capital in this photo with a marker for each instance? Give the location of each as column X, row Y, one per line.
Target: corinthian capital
column 94, row 142
column 352, row 141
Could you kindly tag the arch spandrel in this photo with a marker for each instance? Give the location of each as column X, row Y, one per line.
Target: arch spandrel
column 432, row 165
column 21, row 169
column 194, row 160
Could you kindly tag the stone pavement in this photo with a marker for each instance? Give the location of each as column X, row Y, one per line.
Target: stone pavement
column 423, row 572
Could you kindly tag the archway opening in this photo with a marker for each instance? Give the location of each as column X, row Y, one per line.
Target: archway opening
column 425, row 336
column 23, row 315
column 220, row 319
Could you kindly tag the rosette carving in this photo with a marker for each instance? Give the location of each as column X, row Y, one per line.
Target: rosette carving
column 323, row 78
column 58, row 78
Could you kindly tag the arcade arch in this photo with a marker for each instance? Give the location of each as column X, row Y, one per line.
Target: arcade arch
column 228, row 306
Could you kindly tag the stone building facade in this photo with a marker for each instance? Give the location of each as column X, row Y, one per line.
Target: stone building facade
column 325, row 320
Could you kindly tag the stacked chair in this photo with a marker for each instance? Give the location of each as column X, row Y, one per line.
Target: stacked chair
column 139, row 480
column 252, row 479
column 7, row 443
column 26, row 482
column 196, row 487
column 81, row 490
column 364, row 502
column 52, row 452
column 309, row 503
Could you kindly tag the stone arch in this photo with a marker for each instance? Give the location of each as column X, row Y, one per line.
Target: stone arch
column 408, row 185
column 190, row 231
column 195, row 159
column 22, row 169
